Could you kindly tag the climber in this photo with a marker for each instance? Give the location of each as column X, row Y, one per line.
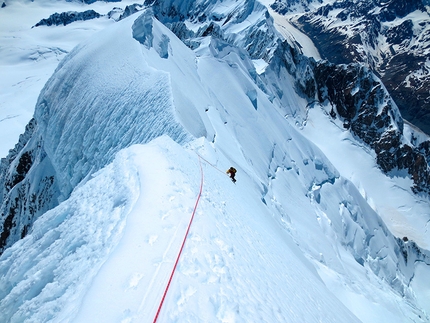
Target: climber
column 232, row 172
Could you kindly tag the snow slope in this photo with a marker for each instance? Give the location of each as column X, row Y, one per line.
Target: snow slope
column 402, row 211
column 122, row 119
column 29, row 56
column 115, row 262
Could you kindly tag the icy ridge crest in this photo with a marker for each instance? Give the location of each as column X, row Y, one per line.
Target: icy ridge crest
column 79, row 126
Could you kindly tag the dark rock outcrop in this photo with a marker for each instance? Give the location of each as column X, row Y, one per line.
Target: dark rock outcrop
column 362, row 103
column 66, row 18
column 92, row 1
column 24, row 195
column 380, row 35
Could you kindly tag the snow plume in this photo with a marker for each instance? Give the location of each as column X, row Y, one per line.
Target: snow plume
column 119, row 129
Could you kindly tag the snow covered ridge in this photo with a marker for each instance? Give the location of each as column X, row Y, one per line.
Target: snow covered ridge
column 70, row 107
column 58, row 119
column 194, row 23
column 69, row 17
column 390, row 37
column 66, row 18
column 136, row 82
column 354, row 94
column 104, row 252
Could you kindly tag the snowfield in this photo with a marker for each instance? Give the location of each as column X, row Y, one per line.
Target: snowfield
column 132, row 123
column 114, row 251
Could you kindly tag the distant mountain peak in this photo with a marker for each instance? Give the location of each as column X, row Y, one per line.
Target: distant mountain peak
column 390, row 37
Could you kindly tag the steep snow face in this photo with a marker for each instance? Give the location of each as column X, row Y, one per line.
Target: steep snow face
column 129, row 107
column 81, row 121
column 67, row 248
column 353, row 93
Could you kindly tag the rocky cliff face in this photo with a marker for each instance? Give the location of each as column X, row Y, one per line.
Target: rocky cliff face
column 360, row 100
column 25, row 193
column 66, row 18
column 390, row 37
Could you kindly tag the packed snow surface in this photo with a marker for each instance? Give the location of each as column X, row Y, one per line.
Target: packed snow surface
column 107, row 252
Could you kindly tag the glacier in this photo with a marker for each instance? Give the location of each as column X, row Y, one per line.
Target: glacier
column 116, row 138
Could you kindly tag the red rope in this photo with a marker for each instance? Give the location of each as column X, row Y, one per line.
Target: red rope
column 210, row 164
column 183, row 242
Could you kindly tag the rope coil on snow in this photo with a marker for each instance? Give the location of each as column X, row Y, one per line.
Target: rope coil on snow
column 183, row 242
